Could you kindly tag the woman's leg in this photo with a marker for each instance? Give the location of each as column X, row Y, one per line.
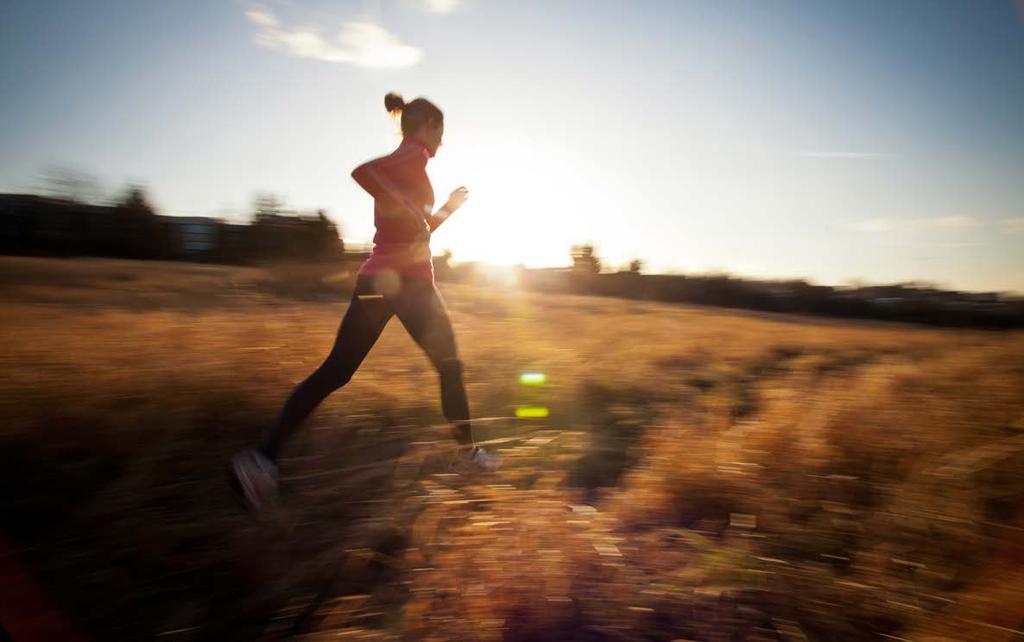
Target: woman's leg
column 422, row 311
column 362, row 324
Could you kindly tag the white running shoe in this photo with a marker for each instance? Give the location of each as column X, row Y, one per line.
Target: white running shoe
column 475, row 460
column 254, row 478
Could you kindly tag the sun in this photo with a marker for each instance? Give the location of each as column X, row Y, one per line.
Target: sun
column 520, row 209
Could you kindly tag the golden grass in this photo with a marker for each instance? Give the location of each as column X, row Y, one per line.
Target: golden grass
column 703, row 474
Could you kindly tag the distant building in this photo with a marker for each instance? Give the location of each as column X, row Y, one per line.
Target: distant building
column 191, row 236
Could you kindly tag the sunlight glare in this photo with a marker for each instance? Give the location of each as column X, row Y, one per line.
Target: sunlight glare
column 521, row 208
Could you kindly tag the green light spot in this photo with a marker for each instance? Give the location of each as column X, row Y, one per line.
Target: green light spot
column 531, row 412
column 533, row 378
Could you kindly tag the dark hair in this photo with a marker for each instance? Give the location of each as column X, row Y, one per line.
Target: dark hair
column 414, row 114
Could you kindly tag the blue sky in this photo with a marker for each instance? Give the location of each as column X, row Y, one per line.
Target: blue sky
column 876, row 140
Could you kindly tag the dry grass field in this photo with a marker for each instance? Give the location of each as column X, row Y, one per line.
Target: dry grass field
column 702, row 474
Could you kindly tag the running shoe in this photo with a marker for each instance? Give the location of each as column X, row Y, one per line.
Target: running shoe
column 254, row 478
column 475, row 460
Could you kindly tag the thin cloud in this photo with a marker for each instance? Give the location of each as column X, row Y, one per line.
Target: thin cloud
column 262, row 17
column 888, row 225
column 441, row 6
column 872, row 225
column 362, row 44
column 1013, row 225
column 945, row 221
column 959, row 245
column 846, row 155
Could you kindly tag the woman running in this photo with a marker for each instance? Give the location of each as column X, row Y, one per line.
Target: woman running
column 397, row 279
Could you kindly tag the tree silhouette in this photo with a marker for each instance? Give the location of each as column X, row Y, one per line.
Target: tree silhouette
column 279, row 233
column 70, row 184
column 134, row 200
column 137, row 231
column 266, row 206
column 585, row 260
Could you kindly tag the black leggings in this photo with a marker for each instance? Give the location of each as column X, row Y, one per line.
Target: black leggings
column 376, row 299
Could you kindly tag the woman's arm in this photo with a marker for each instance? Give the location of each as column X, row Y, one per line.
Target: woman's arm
column 455, row 201
column 438, row 217
column 372, row 176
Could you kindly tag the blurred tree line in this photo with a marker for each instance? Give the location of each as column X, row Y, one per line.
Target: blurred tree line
column 276, row 233
column 913, row 302
column 73, row 219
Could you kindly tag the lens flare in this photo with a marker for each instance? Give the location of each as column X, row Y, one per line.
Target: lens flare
column 533, row 379
column 531, row 412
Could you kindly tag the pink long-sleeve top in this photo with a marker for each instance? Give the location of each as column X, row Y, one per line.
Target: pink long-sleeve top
column 403, row 202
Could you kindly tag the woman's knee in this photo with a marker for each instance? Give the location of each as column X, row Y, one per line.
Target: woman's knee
column 450, row 369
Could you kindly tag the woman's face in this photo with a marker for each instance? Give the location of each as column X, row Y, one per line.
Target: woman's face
column 430, row 135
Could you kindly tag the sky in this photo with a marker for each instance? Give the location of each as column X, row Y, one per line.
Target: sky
column 868, row 140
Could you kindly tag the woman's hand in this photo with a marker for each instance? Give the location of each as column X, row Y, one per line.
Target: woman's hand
column 455, row 201
column 457, row 198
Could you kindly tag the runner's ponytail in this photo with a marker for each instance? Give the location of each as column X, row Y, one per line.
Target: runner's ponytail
column 414, row 114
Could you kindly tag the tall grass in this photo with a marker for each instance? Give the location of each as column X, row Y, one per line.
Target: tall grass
column 702, row 475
